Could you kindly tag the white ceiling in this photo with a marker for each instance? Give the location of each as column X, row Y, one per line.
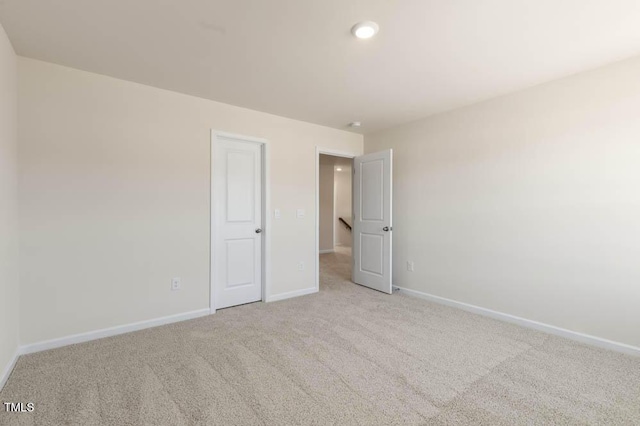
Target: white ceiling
column 296, row 58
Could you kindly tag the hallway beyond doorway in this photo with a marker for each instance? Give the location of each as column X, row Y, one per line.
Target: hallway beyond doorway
column 335, row 268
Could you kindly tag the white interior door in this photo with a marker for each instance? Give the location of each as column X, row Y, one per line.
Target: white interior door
column 372, row 221
column 237, row 218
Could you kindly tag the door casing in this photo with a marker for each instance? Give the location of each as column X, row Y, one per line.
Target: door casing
column 266, row 218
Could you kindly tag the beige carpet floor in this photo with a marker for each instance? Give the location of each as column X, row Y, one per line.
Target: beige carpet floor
column 347, row 355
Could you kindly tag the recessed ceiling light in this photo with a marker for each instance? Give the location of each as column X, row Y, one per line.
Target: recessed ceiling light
column 355, row 124
column 339, row 169
column 365, row 29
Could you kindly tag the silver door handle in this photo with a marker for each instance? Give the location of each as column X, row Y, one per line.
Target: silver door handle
column 258, row 230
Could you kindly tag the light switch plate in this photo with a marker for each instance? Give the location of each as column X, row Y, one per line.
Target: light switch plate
column 300, row 213
column 276, row 213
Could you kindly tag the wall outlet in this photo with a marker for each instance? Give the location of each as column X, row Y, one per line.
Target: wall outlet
column 410, row 265
column 276, row 214
column 300, row 213
column 300, row 266
column 176, row 283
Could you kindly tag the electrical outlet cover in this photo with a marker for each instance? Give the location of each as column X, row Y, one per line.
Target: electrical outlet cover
column 176, row 283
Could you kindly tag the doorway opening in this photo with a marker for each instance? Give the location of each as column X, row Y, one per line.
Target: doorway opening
column 335, row 218
column 371, row 224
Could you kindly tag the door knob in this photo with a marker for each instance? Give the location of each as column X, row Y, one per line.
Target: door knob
column 258, row 230
column 385, row 229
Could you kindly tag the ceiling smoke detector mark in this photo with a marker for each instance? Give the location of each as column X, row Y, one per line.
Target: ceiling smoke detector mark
column 355, row 124
column 211, row 27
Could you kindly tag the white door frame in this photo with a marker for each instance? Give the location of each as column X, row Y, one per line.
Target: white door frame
column 335, row 153
column 266, row 218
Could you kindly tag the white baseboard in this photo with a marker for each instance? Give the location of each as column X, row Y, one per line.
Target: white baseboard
column 111, row 331
column 562, row 332
column 7, row 371
column 289, row 295
column 326, row 251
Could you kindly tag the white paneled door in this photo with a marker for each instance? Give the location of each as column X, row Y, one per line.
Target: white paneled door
column 373, row 226
column 237, row 222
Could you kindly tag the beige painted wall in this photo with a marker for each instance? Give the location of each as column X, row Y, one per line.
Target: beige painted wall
column 114, row 198
column 528, row 204
column 343, row 205
column 326, row 207
column 8, row 204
